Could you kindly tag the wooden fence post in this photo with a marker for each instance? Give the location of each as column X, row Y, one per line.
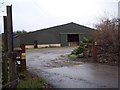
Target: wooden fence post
column 95, row 51
column 12, row 61
column 9, row 56
column 4, row 58
column 23, row 57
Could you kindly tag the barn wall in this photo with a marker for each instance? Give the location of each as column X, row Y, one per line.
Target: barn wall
column 53, row 35
column 63, row 39
column 16, row 42
column 81, row 36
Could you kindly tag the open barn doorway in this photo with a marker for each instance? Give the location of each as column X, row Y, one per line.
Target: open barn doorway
column 73, row 39
column 35, row 44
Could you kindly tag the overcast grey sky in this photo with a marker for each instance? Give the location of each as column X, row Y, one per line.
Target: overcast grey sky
column 32, row 15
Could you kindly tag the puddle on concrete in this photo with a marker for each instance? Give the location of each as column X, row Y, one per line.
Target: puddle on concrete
column 61, row 72
column 85, row 75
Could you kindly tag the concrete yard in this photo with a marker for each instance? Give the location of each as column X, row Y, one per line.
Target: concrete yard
column 57, row 69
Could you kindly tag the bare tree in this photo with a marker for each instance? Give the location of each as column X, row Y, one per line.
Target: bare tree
column 106, row 34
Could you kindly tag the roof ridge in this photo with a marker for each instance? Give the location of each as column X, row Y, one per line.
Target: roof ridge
column 53, row 27
column 58, row 26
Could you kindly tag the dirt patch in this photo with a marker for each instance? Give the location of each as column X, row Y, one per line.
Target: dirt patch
column 72, row 63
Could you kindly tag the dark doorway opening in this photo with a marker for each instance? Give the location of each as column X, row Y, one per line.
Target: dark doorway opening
column 35, row 44
column 73, row 39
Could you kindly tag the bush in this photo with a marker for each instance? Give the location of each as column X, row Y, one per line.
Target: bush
column 72, row 56
column 106, row 34
column 84, row 43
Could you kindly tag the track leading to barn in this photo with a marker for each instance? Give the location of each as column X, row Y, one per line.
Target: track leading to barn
column 53, row 65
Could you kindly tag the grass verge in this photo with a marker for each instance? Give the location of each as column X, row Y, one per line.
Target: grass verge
column 32, row 83
column 28, row 80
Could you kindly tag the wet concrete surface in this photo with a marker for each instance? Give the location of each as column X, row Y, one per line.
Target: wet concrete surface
column 53, row 65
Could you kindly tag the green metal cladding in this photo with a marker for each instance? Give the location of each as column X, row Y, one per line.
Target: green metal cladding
column 53, row 35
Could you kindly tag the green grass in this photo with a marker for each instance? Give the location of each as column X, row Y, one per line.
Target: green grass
column 72, row 56
column 32, row 83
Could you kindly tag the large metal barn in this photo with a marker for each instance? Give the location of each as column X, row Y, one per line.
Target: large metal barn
column 65, row 35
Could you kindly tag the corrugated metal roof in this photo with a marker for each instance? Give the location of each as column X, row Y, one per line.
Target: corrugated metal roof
column 71, row 23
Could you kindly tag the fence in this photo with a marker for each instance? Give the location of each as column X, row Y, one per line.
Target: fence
column 9, row 55
column 93, row 51
column 19, row 65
